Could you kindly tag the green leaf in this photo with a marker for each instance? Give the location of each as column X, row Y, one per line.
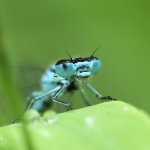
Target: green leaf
column 107, row 126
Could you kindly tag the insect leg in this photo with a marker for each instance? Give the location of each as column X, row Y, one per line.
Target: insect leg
column 55, row 99
column 68, row 105
column 96, row 93
column 84, row 95
column 41, row 96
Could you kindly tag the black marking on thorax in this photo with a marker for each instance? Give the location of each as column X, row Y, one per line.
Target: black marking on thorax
column 52, row 70
column 71, row 87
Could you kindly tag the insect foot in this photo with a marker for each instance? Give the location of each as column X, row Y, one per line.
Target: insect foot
column 108, row 97
column 16, row 120
column 69, row 107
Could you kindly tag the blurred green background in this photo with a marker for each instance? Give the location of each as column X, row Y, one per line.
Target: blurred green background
column 39, row 33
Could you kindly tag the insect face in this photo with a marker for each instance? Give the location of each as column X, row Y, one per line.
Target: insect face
column 82, row 69
column 86, row 67
column 79, row 67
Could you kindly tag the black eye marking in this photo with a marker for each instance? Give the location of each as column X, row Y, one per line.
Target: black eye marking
column 63, row 61
column 91, row 58
column 76, row 60
column 64, row 66
column 84, row 59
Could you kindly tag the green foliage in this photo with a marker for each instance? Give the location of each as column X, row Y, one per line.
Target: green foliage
column 10, row 105
column 39, row 32
column 107, row 126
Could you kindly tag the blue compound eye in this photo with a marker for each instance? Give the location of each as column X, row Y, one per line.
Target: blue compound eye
column 95, row 65
column 64, row 68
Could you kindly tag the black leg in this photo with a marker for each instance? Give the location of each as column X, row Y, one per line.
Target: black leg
column 108, row 98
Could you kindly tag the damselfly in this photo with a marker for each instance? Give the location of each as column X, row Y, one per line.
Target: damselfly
column 67, row 75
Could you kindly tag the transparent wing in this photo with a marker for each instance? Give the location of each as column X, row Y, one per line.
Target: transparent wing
column 29, row 78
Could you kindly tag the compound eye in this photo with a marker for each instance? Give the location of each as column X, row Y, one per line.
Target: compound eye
column 95, row 65
column 64, row 68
